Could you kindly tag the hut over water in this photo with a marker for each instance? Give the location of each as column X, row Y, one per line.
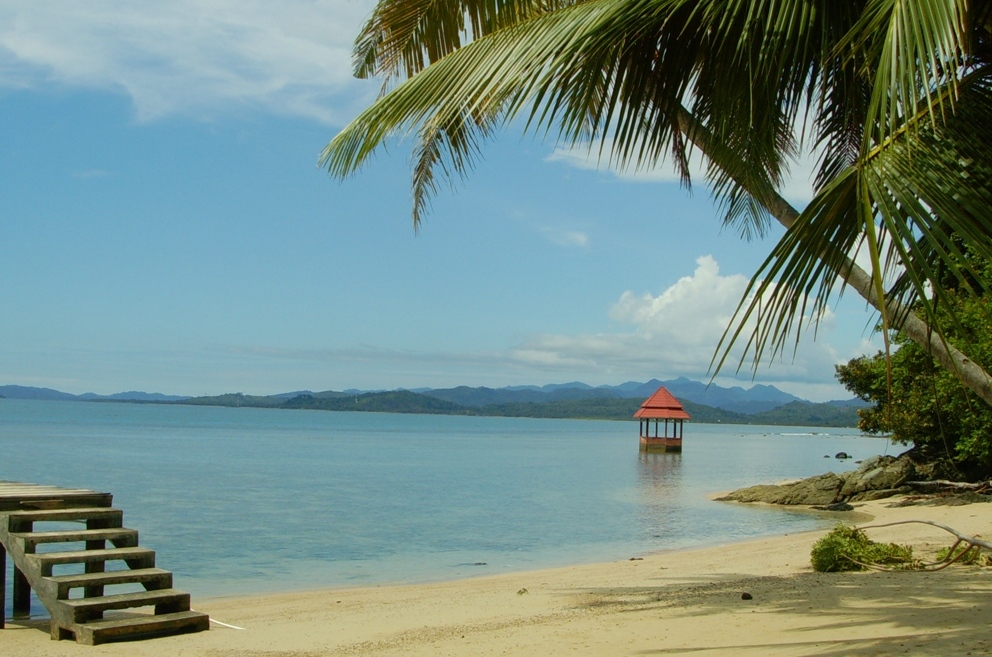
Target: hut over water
column 661, row 417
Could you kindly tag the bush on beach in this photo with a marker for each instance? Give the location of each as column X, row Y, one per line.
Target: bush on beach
column 848, row 548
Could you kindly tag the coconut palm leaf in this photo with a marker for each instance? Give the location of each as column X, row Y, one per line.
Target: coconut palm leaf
column 792, row 287
column 926, row 197
column 402, row 37
column 619, row 72
column 887, row 88
column 915, row 49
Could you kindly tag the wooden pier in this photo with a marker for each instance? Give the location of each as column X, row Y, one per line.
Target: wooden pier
column 77, row 597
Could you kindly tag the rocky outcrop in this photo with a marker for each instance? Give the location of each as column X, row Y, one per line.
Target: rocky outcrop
column 876, row 475
column 875, row 478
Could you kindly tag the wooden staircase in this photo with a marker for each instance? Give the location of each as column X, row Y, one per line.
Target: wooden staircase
column 77, row 600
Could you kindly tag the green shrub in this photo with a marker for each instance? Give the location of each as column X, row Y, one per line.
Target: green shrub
column 975, row 556
column 847, row 548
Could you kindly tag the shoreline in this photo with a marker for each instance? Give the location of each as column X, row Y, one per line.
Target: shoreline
column 849, row 517
column 678, row 601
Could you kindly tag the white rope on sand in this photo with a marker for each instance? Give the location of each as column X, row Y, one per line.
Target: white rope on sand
column 217, row 622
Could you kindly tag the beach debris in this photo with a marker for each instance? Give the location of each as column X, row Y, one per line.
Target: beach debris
column 522, row 592
column 965, row 549
column 940, row 485
column 849, row 548
column 230, row 627
column 966, row 555
column 746, row 596
column 636, row 559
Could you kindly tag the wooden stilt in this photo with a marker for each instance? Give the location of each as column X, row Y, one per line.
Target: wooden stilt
column 59, row 633
column 21, row 594
column 3, row 584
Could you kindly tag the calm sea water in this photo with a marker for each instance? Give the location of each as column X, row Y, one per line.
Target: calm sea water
column 242, row 500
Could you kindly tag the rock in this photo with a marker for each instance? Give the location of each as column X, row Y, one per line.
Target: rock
column 876, row 478
column 842, row 455
column 836, row 506
column 878, row 473
column 746, row 596
column 869, row 495
column 822, row 489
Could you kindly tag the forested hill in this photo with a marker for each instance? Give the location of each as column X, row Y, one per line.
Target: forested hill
column 706, row 403
column 795, row 413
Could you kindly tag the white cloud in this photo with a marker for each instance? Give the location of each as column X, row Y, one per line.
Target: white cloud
column 675, row 333
column 695, row 310
column 563, row 237
column 587, row 158
column 190, row 56
column 797, row 188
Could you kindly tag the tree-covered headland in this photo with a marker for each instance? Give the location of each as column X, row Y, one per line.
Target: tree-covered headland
column 921, row 404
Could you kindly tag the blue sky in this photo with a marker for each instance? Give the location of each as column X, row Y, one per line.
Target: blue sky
column 164, row 227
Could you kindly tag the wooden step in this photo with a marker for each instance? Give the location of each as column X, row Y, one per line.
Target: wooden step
column 21, row 520
column 150, row 578
column 136, row 557
column 102, row 631
column 166, row 601
column 88, row 519
column 121, row 537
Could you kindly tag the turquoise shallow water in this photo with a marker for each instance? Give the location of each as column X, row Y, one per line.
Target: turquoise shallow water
column 241, row 500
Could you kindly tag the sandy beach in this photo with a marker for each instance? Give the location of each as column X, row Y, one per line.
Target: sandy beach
column 682, row 602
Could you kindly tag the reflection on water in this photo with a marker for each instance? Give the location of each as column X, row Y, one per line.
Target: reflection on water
column 659, row 471
column 660, row 492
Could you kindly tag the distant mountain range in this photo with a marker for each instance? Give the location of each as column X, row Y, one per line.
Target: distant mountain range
column 575, row 399
column 757, row 399
column 28, row 392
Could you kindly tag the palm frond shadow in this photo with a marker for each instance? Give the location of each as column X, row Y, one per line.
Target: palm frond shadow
column 928, row 613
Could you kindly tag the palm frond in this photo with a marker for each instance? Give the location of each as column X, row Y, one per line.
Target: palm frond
column 402, row 37
column 924, row 195
column 619, row 72
column 914, row 49
column 451, row 143
column 793, row 286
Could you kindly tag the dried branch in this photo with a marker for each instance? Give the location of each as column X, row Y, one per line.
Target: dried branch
column 974, row 544
column 939, row 484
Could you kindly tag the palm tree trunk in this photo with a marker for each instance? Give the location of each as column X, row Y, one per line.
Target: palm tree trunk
column 972, row 375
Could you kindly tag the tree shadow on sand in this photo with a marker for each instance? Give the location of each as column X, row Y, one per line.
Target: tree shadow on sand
column 833, row 614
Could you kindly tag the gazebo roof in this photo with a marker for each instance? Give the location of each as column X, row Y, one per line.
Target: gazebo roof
column 662, row 405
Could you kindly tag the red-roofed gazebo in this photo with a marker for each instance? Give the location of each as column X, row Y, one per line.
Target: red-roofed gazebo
column 667, row 436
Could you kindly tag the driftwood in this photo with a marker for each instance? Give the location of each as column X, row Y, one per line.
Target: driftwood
column 939, row 484
column 975, row 545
